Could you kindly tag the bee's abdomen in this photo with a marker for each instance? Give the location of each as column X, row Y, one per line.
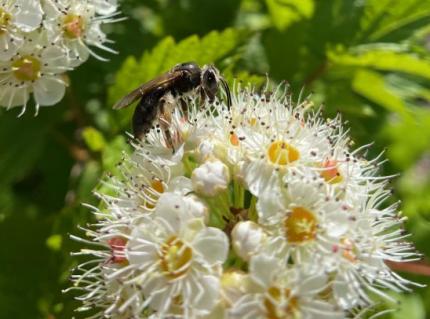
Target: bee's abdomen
column 145, row 114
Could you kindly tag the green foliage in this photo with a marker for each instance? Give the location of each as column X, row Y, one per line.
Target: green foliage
column 371, row 85
column 368, row 59
column 286, row 12
column 212, row 48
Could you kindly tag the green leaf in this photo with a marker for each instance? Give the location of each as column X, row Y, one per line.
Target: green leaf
column 371, row 85
column 212, row 48
column 393, row 18
column 286, row 12
column 94, row 139
column 384, row 60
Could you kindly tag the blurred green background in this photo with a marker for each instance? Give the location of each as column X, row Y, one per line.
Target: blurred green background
column 368, row 60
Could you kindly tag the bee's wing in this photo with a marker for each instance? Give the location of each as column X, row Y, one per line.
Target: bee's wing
column 162, row 80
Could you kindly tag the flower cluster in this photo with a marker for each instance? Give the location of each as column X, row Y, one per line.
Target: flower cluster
column 263, row 211
column 40, row 40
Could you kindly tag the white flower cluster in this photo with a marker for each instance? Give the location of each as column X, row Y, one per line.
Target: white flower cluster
column 263, row 212
column 40, row 40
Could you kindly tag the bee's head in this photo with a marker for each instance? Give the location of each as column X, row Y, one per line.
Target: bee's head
column 210, row 80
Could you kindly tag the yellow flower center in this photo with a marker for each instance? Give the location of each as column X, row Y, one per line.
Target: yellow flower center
column 331, row 173
column 282, row 153
column 175, row 257
column 152, row 193
column 300, row 225
column 26, row 68
column 73, row 26
column 4, row 20
column 279, row 304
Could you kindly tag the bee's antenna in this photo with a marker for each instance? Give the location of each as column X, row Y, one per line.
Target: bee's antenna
column 227, row 92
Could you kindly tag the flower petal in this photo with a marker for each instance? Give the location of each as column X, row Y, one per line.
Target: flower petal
column 29, row 16
column 49, row 90
column 263, row 269
column 212, row 245
column 204, row 293
column 14, row 96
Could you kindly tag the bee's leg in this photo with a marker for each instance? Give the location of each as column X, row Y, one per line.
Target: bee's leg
column 202, row 97
column 165, row 106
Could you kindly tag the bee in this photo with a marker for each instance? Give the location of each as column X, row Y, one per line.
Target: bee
column 160, row 95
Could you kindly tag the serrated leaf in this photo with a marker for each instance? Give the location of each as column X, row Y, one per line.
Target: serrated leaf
column 384, row 60
column 286, row 12
column 94, row 139
column 371, row 85
column 393, row 18
column 210, row 49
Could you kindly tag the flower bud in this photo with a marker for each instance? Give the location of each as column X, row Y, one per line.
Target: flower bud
column 210, row 178
column 246, row 238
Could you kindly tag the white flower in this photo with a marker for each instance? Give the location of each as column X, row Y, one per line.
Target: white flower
column 16, row 17
column 280, row 292
column 309, row 223
column 76, row 26
column 211, row 178
column 177, row 260
column 260, row 211
column 36, row 68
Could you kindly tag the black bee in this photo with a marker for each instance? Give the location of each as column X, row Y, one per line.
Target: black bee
column 158, row 96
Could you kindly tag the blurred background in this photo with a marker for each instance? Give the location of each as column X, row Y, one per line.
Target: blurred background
column 368, row 60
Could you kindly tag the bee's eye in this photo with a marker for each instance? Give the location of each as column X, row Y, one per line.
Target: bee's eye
column 210, row 81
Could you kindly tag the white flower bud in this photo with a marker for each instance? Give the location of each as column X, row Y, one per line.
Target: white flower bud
column 210, row 178
column 246, row 239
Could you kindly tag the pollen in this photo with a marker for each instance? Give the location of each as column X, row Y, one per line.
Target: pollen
column 26, row 68
column 175, row 258
column 331, row 172
column 234, row 140
column 282, row 153
column 73, row 26
column 300, row 225
column 279, row 303
column 4, row 20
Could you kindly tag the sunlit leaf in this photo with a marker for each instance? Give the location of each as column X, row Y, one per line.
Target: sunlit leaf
column 286, row 12
column 384, row 60
column 371, row 85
